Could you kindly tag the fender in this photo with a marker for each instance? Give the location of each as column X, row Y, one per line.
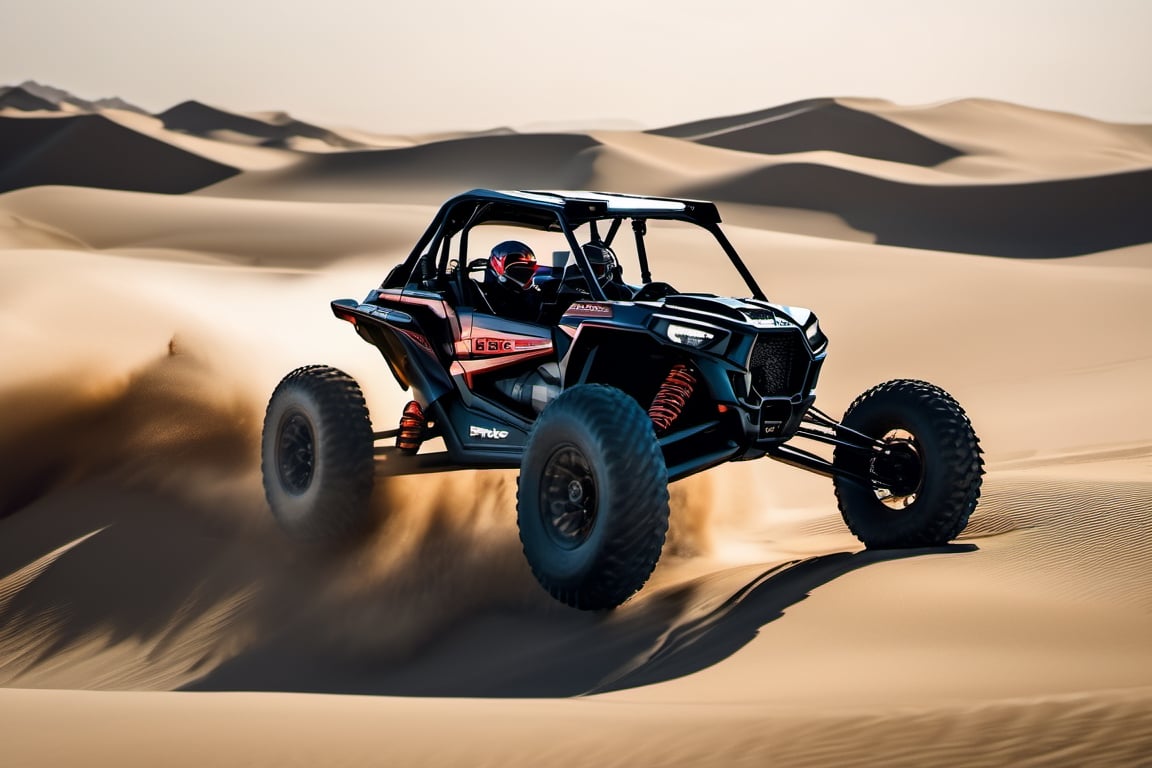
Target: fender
column 402, row 342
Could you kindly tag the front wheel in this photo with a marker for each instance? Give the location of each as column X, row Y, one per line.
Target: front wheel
column 592, row 499
column 317, row 456
column 920, row 485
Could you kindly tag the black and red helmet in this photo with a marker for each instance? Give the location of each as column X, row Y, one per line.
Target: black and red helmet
column 512, row 264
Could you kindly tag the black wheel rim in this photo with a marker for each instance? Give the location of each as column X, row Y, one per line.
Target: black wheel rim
column 296, row 453
column 568, row 497
column 897, row 471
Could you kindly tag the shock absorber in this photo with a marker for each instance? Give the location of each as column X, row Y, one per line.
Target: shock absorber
column 411, row 433
column 671, row 397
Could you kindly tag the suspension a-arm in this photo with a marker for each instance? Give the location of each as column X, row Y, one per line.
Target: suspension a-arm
column 822, row 428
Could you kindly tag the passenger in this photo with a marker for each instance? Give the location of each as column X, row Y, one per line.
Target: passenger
column 607, row 271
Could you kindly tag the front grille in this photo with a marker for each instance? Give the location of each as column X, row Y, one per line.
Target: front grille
column 779, row 364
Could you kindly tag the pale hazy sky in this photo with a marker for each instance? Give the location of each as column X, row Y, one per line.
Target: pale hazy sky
column 456, row 64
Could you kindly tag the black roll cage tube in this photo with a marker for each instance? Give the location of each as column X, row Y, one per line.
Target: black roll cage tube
column 737, row 262
column 435, row 237
column 462, row 264
column 640, row 228
column 592, row 284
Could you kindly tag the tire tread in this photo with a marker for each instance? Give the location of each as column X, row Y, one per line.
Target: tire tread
column 341, row 513
column 960, row 450
column 639, row 522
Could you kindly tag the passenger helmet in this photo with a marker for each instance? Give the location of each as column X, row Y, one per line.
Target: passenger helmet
column 512, row 264
column 602, row 261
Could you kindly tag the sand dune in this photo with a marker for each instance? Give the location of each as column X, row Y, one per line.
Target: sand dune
column 999, row 140
column 33, row 96
column 17, row 97
column 816, row 124
column 93, row 151
column 138, row 729
column 1041, row 220
column 428, row 172
column 150, row 609
column 272, row 130
column 1021, row 182
column 242, row 156
column 269, row 233
column 1029, row 183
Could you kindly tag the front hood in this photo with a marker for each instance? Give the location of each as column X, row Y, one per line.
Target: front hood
column 760, row 314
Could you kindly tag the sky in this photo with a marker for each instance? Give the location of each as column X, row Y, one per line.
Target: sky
column 424, row 65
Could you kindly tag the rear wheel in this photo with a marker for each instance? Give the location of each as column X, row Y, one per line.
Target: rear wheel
column 317, row 456
column 592, row 500
column 923, row 482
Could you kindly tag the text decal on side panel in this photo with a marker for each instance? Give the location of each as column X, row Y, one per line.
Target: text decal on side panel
column 487, row 433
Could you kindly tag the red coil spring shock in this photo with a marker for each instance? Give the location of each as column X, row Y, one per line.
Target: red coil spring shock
column 673, row 394
column 411, row 428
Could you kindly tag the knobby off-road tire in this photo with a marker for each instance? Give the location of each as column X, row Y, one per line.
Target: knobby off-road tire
column 592, row 498
column 937, row 460
column 317, row 457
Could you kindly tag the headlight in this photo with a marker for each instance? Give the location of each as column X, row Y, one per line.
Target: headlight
column 812, row 332
column 689, row 336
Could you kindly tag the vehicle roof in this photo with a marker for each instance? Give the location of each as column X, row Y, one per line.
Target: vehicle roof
column 578, row 207
column 555, row 210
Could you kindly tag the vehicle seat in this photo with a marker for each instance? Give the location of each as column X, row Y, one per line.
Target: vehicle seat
column 476, row 298
column 465, row 291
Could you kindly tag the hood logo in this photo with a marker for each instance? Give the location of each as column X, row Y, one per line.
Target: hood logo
column 487, row 433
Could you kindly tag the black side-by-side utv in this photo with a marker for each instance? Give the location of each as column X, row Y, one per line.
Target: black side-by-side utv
column 602, row 391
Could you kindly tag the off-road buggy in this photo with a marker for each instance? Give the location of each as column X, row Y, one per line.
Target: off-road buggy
column 611, row 391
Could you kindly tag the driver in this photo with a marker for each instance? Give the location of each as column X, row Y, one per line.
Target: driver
column 607, row 271
column 509, row 281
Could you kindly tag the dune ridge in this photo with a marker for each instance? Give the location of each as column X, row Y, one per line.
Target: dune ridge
column 816, row 124
column 274, row 130
column 1039, row 220
column 427, row 172
column 33, row 96
column 19, row 97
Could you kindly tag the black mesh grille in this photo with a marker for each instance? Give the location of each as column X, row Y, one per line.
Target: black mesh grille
column 779, row 363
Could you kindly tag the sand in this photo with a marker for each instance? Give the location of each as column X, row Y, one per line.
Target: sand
column 151, row 613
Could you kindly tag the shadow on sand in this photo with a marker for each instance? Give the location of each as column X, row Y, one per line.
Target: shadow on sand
column 557, row 652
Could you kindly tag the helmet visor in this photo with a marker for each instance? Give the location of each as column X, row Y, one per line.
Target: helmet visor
column 520, row 272
column 601, row 260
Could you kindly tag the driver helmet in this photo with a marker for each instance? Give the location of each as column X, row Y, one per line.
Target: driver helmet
column 512, row 264
column 602, row 261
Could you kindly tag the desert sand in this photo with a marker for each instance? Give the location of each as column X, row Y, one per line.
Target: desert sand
column 159, row 274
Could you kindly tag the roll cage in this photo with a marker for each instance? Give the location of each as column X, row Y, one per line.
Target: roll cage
column 430, row 265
